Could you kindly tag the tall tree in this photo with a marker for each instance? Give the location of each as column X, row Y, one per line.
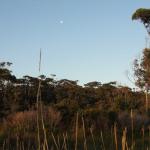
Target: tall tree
column 6, row 80
column 142, row 66
column 142, row 70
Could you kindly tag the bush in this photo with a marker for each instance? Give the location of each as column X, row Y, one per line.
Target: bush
column 23, row 122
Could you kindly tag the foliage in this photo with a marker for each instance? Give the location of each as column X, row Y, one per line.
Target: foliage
column 143, row 15
column 20, row 94
column 142, row 70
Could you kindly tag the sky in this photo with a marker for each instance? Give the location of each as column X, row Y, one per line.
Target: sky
column 85, row 40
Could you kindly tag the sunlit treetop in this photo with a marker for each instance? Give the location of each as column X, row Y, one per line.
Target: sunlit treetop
column 143, row 15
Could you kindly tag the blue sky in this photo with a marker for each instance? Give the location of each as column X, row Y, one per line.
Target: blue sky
column 83, row 40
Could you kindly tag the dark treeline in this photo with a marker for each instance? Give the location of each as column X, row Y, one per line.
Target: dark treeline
column 20, row 94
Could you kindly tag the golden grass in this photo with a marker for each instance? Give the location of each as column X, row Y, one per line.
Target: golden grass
column 115, row 136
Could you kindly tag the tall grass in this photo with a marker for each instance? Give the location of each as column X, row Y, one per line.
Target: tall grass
column 132, row 128
column 85, row 137
column 85, row 140
column 115, row 136
column 124, row 140
column 102, row 139
column 40, row 113
column 76, row 132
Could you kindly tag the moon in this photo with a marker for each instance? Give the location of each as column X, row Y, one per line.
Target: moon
column 61, row 22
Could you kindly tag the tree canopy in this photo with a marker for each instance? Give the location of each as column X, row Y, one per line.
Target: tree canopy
column 142, row 70
column 143, row 15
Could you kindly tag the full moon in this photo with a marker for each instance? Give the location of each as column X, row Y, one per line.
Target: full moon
column 61, row 21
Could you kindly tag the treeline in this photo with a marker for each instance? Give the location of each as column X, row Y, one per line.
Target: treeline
column 20, row 94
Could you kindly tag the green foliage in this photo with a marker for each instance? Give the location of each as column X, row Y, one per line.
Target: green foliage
column 20, row 94
column 142, row 71
column 143, row 15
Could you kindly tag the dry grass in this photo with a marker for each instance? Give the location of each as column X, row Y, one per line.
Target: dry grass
column 115, row 136
column 21, row 128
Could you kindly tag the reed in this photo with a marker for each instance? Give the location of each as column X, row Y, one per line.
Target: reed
column 91, row 131
column 64, row 140
column 65, row 143
column 102, row 139
column 4, row 145
column 124, row 141
column 76, row 132
column 132, row 128
column 58, row 139
column 85, row 143
column 37, row 105
column 115, row 136
column 43, row 126
column 40, row 112
column 54, row 139
column 149, row 135
column 143, row 137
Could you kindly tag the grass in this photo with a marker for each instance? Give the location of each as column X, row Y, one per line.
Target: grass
column 81, row 138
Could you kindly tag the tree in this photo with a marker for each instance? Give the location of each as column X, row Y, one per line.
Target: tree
column 142, row 73
column 143, row 15
column 6, row 84
column 142, row 66
column 142, row 70
column 93, row 84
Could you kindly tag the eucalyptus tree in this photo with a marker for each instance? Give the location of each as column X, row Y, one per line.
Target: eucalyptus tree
column 143, row 15
column 6, row 88
column 142, row 66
